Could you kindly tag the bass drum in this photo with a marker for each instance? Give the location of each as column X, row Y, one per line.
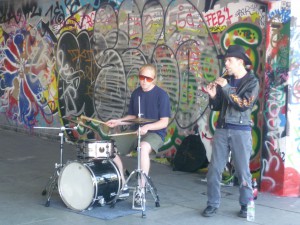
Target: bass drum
column 81, row 185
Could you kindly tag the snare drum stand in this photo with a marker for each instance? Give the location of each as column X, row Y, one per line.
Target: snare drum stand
column 53, row 180
column 139, row 193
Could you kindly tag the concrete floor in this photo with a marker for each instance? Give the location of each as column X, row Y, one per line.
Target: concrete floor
column 26, row 162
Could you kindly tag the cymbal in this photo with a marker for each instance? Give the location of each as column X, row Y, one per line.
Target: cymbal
column 140, row 120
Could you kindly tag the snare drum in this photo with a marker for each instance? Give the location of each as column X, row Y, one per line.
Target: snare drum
column 98, row 149
column 81, row 185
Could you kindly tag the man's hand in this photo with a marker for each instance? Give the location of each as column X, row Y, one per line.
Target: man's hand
column 112, row 123
column 221, row 81
column 144, row 130
column 211, row 89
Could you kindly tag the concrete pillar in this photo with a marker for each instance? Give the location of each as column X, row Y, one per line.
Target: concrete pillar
column 280, row 166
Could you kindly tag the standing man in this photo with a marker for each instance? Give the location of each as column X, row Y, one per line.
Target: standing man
column 234, row 96
column 152, row 103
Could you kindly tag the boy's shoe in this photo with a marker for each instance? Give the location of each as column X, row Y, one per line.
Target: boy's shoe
column 243, row 211
column 209, row 211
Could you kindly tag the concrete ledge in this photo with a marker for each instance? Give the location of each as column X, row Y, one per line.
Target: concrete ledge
column 43, row 134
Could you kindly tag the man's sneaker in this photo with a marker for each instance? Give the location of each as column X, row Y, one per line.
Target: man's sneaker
column 124, row 193
column 209, row 211
column 243, row 211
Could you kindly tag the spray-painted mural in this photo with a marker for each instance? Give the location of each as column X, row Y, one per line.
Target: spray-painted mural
column 72, row 58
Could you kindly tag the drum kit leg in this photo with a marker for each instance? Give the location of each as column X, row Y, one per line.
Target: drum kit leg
column 52, row 182
column 144, row 182
column 139, row 192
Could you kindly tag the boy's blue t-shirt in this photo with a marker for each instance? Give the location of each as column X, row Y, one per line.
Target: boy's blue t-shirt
column 154, row 104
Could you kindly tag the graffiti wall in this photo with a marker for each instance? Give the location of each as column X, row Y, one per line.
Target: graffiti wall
column 64, row 59
column 68, row 59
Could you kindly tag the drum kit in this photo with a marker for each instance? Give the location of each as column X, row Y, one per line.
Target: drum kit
column 94, row 178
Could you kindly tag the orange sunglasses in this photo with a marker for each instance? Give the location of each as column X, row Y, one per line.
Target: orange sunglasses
column 148, row 79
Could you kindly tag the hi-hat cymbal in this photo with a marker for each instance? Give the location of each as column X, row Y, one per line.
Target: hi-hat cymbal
column 140, row 120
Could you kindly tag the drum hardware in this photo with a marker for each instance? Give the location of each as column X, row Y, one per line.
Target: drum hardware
column 101, row 201
column 52, row 182
column 97, row 149
column 140, row 192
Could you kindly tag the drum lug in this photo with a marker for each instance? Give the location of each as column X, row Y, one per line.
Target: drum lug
column 113, row 194
column 90, row 208
column 101, row 201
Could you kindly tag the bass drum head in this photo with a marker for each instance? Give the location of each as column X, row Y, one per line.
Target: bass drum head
column 81, row 184
column 76, row 186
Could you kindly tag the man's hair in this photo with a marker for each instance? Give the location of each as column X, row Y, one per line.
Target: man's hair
column 149, row 67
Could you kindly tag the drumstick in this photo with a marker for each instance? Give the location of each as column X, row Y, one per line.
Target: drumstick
column 121, row 134
column 80, row 123
column 88, row 118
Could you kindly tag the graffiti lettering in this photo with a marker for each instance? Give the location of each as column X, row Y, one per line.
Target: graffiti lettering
column 218, row 18
column 8, row 13
column 31, row 8
column 56, row 14
column 280, row 15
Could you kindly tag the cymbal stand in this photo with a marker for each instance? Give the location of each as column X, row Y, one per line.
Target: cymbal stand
column 139, row 193
column 53, row 180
